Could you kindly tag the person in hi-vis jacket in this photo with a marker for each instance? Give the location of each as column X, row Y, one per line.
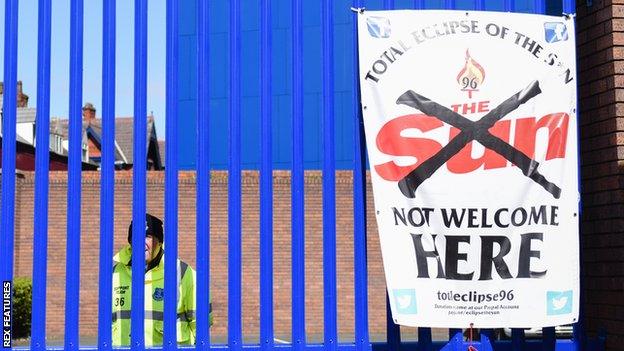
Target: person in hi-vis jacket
column 154, row 291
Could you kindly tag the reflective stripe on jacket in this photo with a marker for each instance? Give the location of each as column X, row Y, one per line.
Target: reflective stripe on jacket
column 154, row 301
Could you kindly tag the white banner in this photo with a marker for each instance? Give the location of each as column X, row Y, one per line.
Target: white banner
column 471, row 130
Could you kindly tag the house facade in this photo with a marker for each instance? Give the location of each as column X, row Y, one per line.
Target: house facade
column 91, row 139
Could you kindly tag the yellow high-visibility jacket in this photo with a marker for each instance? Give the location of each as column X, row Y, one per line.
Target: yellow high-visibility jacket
column 154, row 301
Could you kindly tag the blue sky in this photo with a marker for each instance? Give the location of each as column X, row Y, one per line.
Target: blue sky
column 92, row 73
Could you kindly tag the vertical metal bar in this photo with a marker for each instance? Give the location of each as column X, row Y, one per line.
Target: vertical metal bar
column 107, row 186
column 424, row 339
column 329, row 182
column 539, row 6
column 42, row 166
column 578, row 331
column 234, row 183
column 266, row 182
column 362, row 337
column 517, row 339
column 7, row 224
column 509, row 5
column 393, row 331
column 578, row 328
column 297, row 185
column 548, row 338
column 139, row 176
column 424, row 334
column 171, row 180
column 517, row 334
column 450, row 5
column 72, row 277
column 203, row 180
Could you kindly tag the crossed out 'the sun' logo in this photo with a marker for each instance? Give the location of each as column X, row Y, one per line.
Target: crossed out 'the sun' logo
column 470, row 78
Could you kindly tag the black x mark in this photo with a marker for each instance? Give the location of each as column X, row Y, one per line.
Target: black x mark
column 472, row 131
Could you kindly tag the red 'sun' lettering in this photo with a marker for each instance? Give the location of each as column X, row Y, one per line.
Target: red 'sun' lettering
column 463, row 162
column 557, row 124
column 391, row 142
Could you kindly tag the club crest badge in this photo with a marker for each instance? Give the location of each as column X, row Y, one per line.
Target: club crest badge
column 159, row 294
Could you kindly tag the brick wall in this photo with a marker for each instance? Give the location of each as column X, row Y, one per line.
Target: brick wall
column 600, row 29
column 89, row 254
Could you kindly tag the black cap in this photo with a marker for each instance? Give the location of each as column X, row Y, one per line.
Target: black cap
column 153, row 227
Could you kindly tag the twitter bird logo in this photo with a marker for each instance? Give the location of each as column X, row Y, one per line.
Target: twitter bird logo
column 379, row 27
column 558, row 302
column 405, row 301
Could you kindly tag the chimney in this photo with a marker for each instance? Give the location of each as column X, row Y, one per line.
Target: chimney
column 22, row 99
column 88, row 112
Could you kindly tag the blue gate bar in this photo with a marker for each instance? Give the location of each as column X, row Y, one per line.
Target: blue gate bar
column 539, row 7
column 509, row 5
column 7, row 224
column 42, row 165
column 548, row 338
column 424, row 339
column 234, row 184
column 362, row 338
column 517, row 339
column 203, row 180
column 578, row 331
column 393, row 331
column 450, row 5
column 479, row 5
column 548, row 333
column 424, row 334
column 266, row 182
column 107, row 186
column 138, row 174
column 297, row 184
column 171, row 180
column 517, row 334
column 329, row 182
column 72, row 277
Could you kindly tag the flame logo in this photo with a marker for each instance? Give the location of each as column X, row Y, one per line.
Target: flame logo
column 471, row 76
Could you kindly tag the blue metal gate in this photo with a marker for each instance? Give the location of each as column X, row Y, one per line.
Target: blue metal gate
column 266, row 342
